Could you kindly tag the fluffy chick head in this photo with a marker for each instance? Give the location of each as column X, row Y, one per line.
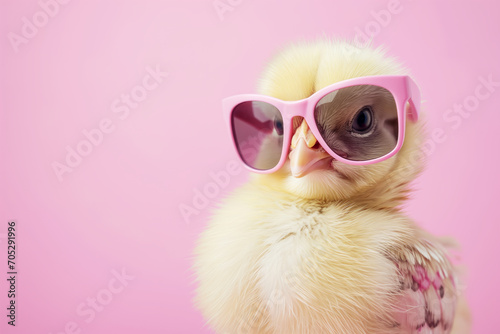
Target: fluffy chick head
column 301, row 70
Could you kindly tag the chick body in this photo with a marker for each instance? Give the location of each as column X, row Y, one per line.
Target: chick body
column 326, row 253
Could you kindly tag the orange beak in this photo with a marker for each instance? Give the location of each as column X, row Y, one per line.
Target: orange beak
column 304, row 158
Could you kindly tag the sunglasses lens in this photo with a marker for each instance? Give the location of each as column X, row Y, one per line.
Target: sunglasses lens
column 358, row 123
column 258, row 133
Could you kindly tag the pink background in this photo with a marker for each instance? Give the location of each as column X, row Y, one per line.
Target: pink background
column 120, row 207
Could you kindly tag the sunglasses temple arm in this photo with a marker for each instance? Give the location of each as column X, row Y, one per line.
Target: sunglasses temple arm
column 414, row 100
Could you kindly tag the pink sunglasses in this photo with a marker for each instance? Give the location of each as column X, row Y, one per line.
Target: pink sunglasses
column 357, row 121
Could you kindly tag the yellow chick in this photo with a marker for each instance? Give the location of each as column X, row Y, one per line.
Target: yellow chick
column 320, row 245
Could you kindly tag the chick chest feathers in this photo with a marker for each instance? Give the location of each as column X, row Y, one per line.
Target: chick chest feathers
column 271, row 263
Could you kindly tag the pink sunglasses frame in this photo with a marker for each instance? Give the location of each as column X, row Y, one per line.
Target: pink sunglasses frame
column 402, row 87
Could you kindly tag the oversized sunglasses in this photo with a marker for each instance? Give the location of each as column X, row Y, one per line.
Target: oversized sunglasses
column 357, row 121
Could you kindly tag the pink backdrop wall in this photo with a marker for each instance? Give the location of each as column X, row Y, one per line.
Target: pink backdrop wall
column 115, row 212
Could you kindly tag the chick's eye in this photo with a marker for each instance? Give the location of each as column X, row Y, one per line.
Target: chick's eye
column 278, row 126
column 363, row 121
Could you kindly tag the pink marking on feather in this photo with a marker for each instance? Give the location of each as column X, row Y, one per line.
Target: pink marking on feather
column 437, row 282
column 421, row 278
